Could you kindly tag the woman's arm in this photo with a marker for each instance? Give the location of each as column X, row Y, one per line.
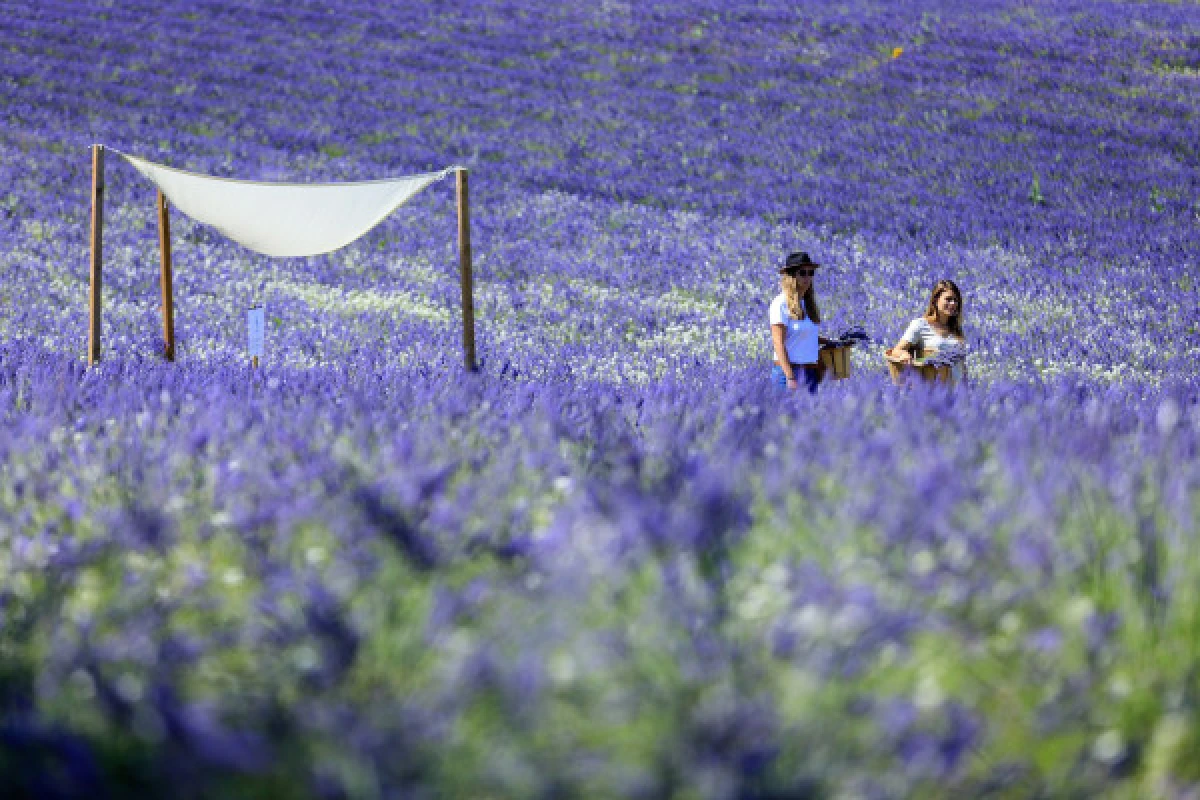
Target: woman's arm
column 777, row 335
column 905, row 348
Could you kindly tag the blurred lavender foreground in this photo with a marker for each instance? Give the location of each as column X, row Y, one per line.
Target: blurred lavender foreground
column 615, row 562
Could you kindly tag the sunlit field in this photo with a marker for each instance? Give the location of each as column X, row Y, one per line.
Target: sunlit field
column 614, row 561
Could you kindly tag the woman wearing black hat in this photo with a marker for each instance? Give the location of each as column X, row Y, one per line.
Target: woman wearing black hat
column 794, row 326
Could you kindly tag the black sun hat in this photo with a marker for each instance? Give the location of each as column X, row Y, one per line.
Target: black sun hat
column 797, row 260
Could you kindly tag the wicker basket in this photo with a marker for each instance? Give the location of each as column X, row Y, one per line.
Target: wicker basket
column 936, row 374
column 836, row 359
column 901, row 371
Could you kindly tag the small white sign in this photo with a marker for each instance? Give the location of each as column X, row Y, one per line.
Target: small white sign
column 255, row 322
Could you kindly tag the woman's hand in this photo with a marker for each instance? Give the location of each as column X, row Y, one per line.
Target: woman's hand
column 792, row 385
column 900, row 354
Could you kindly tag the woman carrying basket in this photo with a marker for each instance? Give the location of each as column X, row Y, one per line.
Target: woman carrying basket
column 795, row 321
column 938, row 331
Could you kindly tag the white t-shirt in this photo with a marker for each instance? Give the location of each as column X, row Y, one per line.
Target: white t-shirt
column 800, row 341
column 920, row 332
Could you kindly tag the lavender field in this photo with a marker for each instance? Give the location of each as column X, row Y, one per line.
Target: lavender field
column 615, row 561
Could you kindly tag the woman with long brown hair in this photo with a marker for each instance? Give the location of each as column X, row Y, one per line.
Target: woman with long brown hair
column 795, row 326
column 937, row 330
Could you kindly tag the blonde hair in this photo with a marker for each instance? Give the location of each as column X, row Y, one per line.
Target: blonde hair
column 791, row 293
column 940, row 288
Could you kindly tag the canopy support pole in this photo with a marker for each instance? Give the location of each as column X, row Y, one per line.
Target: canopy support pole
column 168, row 304
column 96, row 282
column 464, row 264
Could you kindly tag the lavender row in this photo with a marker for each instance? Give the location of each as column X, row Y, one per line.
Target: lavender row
column 821, row 107
column 507, row 555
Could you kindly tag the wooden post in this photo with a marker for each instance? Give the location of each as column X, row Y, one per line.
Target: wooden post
column 168, row 305
column 97, row 285
column 464, row 263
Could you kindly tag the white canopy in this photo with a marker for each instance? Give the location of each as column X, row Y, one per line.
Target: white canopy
column 284, row 219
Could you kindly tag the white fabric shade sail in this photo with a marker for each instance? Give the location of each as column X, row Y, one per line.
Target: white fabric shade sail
column 284, row 219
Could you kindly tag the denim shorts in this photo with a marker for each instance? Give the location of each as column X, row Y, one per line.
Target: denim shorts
column 808, row 377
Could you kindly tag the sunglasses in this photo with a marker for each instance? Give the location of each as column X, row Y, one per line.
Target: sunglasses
column 801, row 273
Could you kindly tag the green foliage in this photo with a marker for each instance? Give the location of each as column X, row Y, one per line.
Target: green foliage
column 1035, row 191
